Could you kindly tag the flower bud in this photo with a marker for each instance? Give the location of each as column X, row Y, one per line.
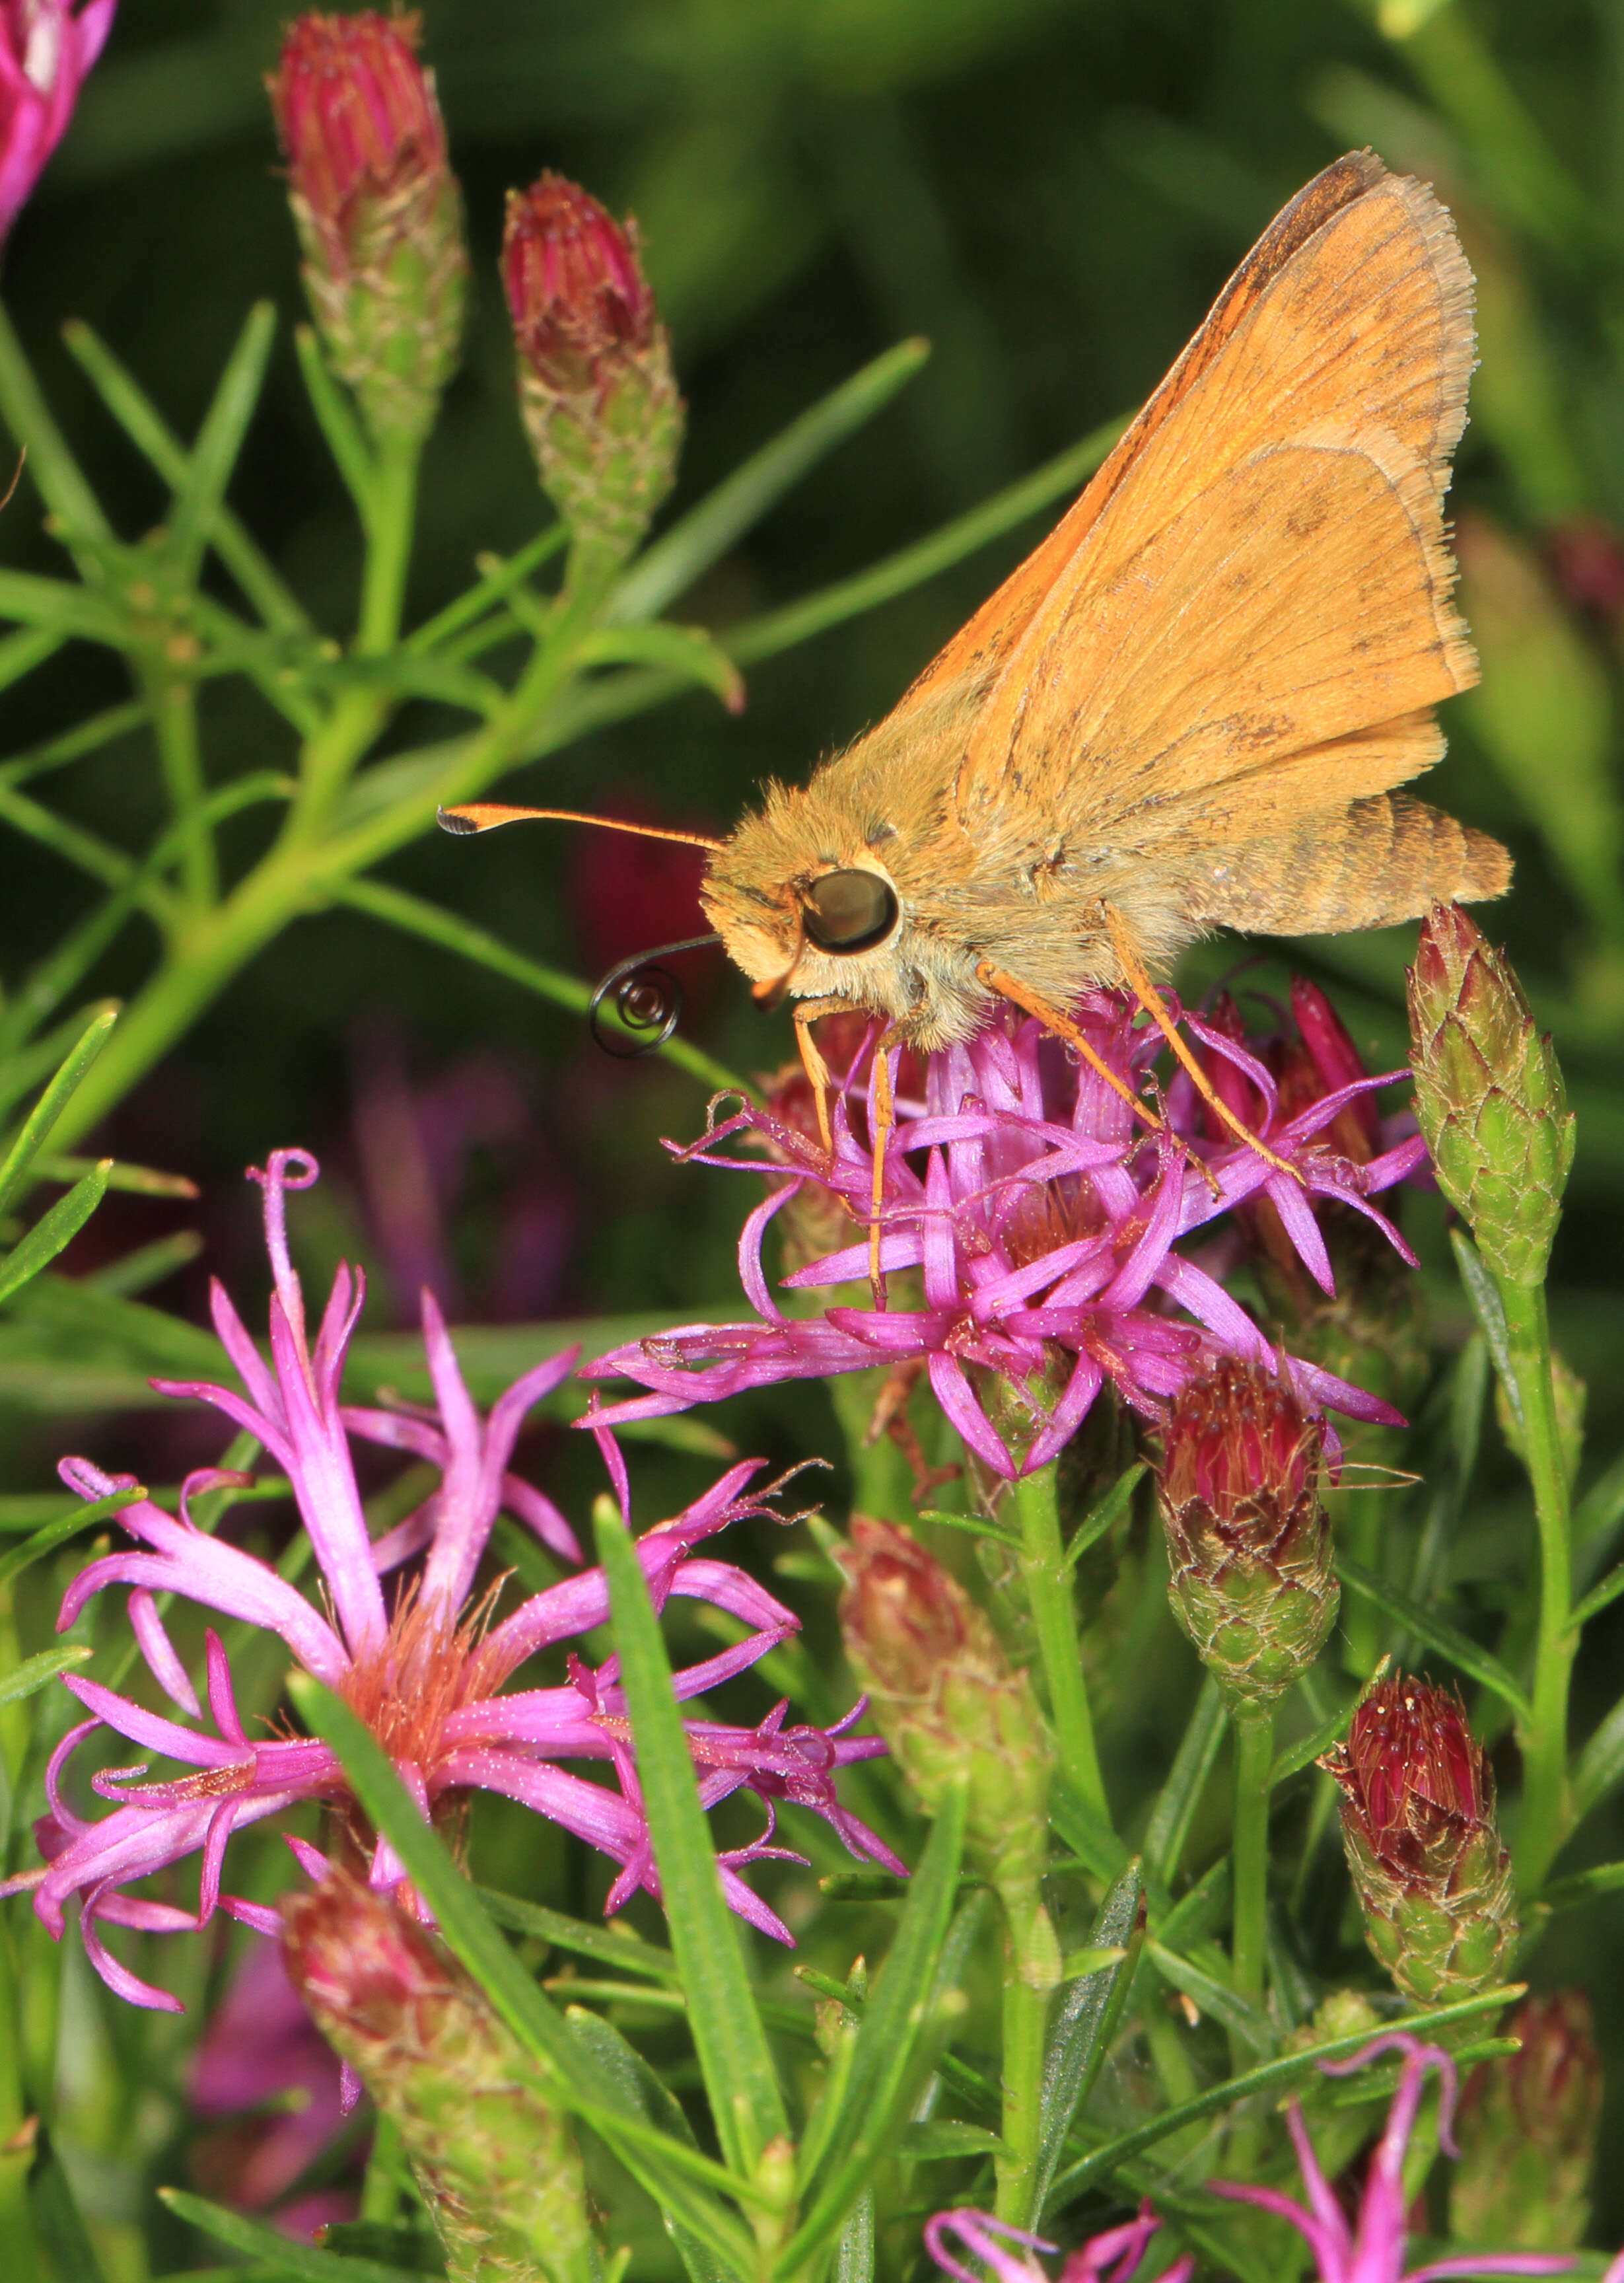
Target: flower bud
column 1488, row 1095
column 47, row 48
column 377, row 210
column 1248, row 1543
column 1526, row 2128
column 1434, row 1880
column 946, row 1700
column 597, row 389
column 492, row 2156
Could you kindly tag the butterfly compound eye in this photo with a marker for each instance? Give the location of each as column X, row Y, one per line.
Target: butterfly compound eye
column 849, row 911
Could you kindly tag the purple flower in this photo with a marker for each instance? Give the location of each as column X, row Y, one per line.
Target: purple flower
column 1041, row 1228
column 1111, row 2258
column 47, row 48
column 1372, row 2250
column 424, row 1672
column 265, row 2078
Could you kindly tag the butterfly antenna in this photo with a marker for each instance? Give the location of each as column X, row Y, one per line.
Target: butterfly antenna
column 486, row 815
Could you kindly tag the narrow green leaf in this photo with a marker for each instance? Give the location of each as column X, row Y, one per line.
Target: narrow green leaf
column 51, row 464
column 734, row 2059
column 643, row 2088
column 501, row 575
column 1094, row 1525
column 1601, row 1764
column 1598, row 1513
column 1202, row 1909
column 152, row 435
column 685, row 651
column 625, row 1951
column 1180, row 1796
column 48, row 983
column 148, row 1264
column 56, row 1533
column 286, row 2253
column 336, row 422
column 54, row 1101
column 977, row 1524
column 408, row 674
column 911, row 566
column 1307, row 1748
column 1600, row 1878
column 84, row 737
column 199, row 498
column 21, row 652
column 891, row 2046
column 63, row 607
column 1597, row 1600
column 53, row 1231
column 1478, row 1663
column 679, row 2180
column 57, row 2215
column 1275, row 2077
column 35, row 1671
column 930, row 2144
column 704, row 535
column 1086, row 1833
column 1212, row 1996
column 416, row 916
column 135, row 1180
column 1487, row 1308
column 1085, row 2022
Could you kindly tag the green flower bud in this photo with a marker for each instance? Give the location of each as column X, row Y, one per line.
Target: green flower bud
column 1434, row 1880
column 492, row 2155
column 1249, row 1544
column 377, row 211
column 597, row 389
column 948, row 1703
column 1488, row 1095
column 1527, row 2129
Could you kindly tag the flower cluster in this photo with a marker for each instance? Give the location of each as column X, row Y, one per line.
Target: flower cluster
column 426, row 1672
column 1040, row 1230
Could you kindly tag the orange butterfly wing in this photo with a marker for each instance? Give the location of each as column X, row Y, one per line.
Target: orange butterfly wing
column 1246, row 615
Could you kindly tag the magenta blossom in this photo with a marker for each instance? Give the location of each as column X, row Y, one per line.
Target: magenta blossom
column 425, row 1671
column 1373, row 2249
column 1041, row 1224
column 47, row 48
column 1111, row 2258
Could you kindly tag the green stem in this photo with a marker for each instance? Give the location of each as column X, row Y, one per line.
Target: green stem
column 1249, row 1845
column 1026, row 2019
column 174, row 706
column 390, row 524
column 1545, row 1813
column 1051, row 1600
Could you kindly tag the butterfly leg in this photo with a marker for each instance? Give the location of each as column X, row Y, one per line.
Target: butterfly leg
column 1009, row 986
column 1145, row 992
column 806, row 1012
column 884, row 1119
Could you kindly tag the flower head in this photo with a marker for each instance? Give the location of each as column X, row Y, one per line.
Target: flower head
column 1371, row 2250
column 1528, row 2126
column 1249, row 1545
column 1433, row 1879
column 425, row 1671
column 377, row 210
column 47, row 48
column 1037, row 1230
column 1113, row 2256
column 597, row 389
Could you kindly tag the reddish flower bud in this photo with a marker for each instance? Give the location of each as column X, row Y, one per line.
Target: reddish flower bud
column 1527, row 2129
column 377, row 210
column 1249, row 1544
column 1419, row 1826
column 492, row 2156
column 47, row 48
column 597, row 389
column 1337, row 1062
column 946, row 1699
